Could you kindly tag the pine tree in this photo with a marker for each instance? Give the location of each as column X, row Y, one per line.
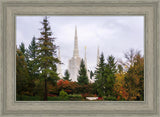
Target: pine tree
column 66, row 75
column 91, row 74
column 32, row 49
column 82, row 78
column 31, row 53
column 120, row 69
column 99, row 76
column 105, row 76
column 31, row 63
column 46, row 56
column 22, row 48
column 110, row 76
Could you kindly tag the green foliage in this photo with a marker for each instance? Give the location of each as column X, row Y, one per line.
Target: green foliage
column 21, row 73
column 75, row 97
column 82, row 78
column 28, row 98
column 91, row 74
column 110, row 98
column 105, row 77
column 63, row 94
column 110, row 75
column 46, row 56
column 100, row 70
column 22, row 48
column 120, row 68
column 32, row 49
column 66, row 75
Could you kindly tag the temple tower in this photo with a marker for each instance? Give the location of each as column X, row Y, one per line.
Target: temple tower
column 74, row 62
column 59, row 70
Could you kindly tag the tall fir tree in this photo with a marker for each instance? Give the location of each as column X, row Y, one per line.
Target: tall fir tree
column 105, row 76
column 22, row 48
column 31, row 63
column 31, row 53
column 82, row 78
column 99, row 76
column 46, row 56
column 110, row 75
column 32, row 49
column 66, row 75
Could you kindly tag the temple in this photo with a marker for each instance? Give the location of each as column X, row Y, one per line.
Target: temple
column 74, row 62
column 59, row 70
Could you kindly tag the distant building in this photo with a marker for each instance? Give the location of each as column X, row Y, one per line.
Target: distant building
column 74, row 62
column 59, row 70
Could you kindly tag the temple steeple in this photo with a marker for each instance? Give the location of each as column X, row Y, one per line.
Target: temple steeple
column 85, row 58
column 76, row 50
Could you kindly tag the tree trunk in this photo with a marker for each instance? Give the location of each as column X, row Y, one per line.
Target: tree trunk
column 45, row 90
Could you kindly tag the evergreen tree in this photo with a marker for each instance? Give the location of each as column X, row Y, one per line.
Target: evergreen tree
column 82, row 78
column 120, row 69
column 66, row 75
column 110, row 71
column 22, row 48
column 32, row 49
column 105, row 76
column 31, row 53
column 100, row 70
column 46, row 56
column 31, row 63
column 91, row 74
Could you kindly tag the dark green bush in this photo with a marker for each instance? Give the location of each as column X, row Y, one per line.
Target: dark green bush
column 111, row 98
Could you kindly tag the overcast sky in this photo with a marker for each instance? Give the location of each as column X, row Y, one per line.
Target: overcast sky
column 113, row 34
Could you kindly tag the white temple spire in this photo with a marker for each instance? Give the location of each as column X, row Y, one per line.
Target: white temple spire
column 76, row 50
column 85, row 58
column 74, row 62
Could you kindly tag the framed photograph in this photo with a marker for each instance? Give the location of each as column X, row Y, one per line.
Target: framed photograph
column 79, row 58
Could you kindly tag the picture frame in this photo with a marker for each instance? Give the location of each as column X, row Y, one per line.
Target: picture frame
column 9, row 9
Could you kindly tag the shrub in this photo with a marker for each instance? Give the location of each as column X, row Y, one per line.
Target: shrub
column 75, row 97
column 111, row 98
column 63, row 94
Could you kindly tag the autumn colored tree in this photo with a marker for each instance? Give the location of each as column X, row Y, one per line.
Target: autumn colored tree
column 46, row 56
column 82, row 78
column 68, row 86
column 134, row 78
column 119, row 89
column 21, row 74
